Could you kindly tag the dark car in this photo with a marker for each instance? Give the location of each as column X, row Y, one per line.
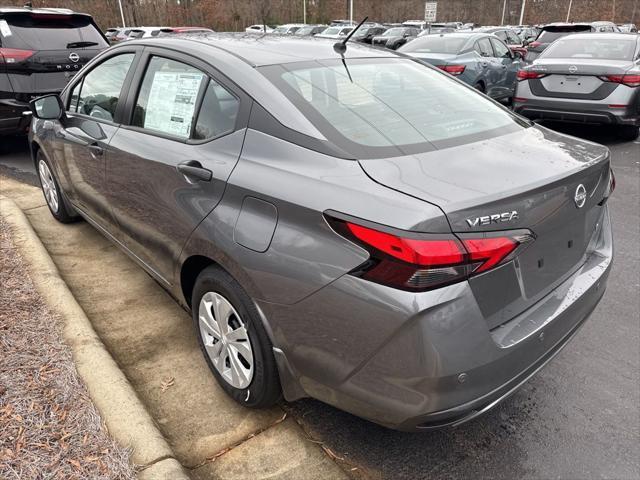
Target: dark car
column 40, row 50
column 479, row 59
column 366, row 34
column 351, row 225
column 310, row 30
column 553, row 31
column 163, row 32
column 395, row 37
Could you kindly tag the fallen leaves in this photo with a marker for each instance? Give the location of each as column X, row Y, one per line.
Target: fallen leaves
column 167, row 383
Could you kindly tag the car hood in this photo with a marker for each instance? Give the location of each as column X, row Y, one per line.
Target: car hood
column 510, row 172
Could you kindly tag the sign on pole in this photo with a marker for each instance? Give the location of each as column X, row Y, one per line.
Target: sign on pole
column 430, row 11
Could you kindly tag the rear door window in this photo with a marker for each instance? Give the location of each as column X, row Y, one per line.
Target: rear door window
column 485, row 47
column 98, row 93
column 501, row 50
column 49, row 32
column 168, row 97
column 218, row 113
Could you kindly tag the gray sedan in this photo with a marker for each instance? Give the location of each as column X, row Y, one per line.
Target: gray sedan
column 585, row 78
column 353, row 226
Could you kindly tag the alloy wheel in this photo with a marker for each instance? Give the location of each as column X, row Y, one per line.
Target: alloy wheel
column 226, row 340
column 48, row 186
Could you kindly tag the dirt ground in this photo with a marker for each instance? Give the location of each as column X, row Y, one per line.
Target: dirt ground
column 48, row 426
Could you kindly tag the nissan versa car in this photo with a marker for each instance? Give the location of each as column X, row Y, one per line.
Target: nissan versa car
column 585, row 78
column 479, row 59
column 40, row 49
column 353, row 226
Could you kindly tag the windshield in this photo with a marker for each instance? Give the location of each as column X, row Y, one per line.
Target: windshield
column 435, row 44
column 49, row 32
column 548, row 36
column 605, row 49
column 394, row 32
column 387, row 107
column 305, row 31
column 281, row 30
column 332, row 31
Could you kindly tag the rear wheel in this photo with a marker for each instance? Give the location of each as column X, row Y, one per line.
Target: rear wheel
column 627, row 132
column 233, row 340
column 58, row 205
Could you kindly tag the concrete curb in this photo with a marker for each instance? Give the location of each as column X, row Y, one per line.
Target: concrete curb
column 126, row 418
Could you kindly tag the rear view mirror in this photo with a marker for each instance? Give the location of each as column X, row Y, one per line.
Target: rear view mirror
column 48, row 107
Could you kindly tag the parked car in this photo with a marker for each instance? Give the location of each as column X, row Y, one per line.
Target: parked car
column 628, row 28
column 40, row 49
column 338, row 277
column 553, row 31
column 481, row 60
column 112, row 33
column 394, row 38
column 144, row 32
column 310, row 30
column 177, row 30
column 508, row 36
column 366, row 34
column 258, row 29
column 430, row 30
column 335, row 32
column 119, row 35
column 288, row 29
column 526, row 33
column 342, row 23
column 419, row 24
column 585, row 78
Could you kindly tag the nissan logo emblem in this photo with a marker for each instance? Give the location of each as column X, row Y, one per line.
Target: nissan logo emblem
column 74, row 57
column 573, row 69
column 580, row 196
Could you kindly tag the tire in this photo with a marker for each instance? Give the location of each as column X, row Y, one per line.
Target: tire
column 226, row 354
column 56, row 201
column 627, row 132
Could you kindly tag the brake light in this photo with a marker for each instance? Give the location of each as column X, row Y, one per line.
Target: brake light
column 419, row 262
column 13, row 55
column 452, row 69
column 529, row 75
column 610, row 188
column 628, row 80
column 534, row 44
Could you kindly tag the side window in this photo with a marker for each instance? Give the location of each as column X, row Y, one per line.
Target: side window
column 98, row 93
column 218, row 112
column 501, row 49
column 502, row 35
column 167, row 98
column 513, row 38
column 485, row 47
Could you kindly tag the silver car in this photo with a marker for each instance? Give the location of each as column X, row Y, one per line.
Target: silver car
column 585, row 78
column 354, row 226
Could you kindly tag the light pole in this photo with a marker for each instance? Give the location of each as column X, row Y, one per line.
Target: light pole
column 569, row 10
column 304, row 11
column 351, row 12
column 524, row 2
column 121, row 13
column 504, row 7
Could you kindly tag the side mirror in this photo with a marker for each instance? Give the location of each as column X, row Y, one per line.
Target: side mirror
column 48, row 107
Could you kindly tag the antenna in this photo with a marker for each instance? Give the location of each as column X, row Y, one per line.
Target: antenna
column 341, row 47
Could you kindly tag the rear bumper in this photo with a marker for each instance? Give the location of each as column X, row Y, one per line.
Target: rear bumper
column 604, row 115
column 421, row 361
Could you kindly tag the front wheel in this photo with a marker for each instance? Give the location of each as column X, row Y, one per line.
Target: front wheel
column 627, row 132
column 54, row 197
column 233, row 340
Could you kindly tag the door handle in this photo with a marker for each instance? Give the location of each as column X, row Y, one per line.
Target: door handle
column 193, row 170
column 95, row 149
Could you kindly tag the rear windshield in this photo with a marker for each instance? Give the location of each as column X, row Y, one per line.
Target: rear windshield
column 548, row 36
column 384, row 107
column 435, row 44
column 48, row 32
column 605, row 49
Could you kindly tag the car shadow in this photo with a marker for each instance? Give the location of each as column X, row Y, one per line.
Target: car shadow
column 604, row 134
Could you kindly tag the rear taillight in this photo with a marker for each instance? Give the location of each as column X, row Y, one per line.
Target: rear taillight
column 13, row 55
column 529, row 75
column 628, row 80
column 452, row 69
column 534, row 44
column 611, row 186
column 419, row 262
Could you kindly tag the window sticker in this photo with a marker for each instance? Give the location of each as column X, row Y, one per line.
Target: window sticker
column 4, row 28
column 172, row 102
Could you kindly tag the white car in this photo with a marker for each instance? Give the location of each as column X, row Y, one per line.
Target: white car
column 335, row 32
column 288, row 29
column 258, row 29
column 143, row 32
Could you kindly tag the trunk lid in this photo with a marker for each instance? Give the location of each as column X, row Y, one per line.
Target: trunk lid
column 535, row 173
column 576, row 78
column 434, row 58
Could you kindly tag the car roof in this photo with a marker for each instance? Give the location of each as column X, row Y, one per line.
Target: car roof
column 268, row 50
column 604, row 35
column 41, row 11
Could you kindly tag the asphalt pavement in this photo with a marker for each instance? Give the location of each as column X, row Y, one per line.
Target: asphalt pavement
column 579, row 418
